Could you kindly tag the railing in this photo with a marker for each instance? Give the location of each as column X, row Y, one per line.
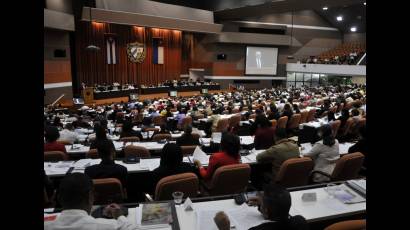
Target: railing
column 361, row 59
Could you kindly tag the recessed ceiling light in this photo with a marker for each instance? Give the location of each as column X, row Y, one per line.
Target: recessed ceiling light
column 353, row 29
column 325, row 8
column 339, row 18
column 364, row 3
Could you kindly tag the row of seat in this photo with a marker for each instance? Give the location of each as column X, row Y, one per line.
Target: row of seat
column 231, row 179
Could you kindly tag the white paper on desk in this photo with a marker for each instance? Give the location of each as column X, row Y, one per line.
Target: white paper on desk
column 216, row 137
column 118, row 145
column 186, row 159
column 246, row 140
column 205, row 141
column 245, row 217
column 205, row 220
column 306, row 147
column 200, row 155
column 150, row 164
column 344, row 147
column 64, row 164
column 84, row 163
column 251, row 158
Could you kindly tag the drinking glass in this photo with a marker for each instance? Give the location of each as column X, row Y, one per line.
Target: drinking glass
column 178, row 197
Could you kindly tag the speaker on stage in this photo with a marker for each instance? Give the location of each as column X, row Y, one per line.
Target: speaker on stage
column 88, row 95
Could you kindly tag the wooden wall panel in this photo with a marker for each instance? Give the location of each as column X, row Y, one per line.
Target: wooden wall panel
column 93, row 68
column 57, row 71
column 226, row 69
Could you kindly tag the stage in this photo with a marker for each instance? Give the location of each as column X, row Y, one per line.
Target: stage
column 152, row 90
column 68, row 103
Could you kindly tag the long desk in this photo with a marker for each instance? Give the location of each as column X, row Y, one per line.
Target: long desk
column 326, row 209
column 114, row 93
column 165, row 89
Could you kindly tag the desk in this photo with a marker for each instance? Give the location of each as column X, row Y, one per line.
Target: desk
column 165, row 89
column 343, row 148
column 114, row 93
column 58, row 169
column 324, row 208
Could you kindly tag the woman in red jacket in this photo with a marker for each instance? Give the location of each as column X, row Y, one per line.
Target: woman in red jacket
column 230, row 146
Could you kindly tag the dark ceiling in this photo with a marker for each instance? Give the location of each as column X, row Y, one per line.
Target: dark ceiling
column 354, row 15
column 353, row 11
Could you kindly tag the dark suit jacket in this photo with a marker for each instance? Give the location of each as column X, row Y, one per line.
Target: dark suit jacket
column 288, row 114
column 108, row 170
column 294, row 223
column 360, row 146
column 187, row 140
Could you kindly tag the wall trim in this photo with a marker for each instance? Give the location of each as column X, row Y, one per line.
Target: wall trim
column 58, row 85
column 294, row 26
column 244, row 78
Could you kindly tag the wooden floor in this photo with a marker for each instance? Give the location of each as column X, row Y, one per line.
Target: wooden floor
column 69, row 103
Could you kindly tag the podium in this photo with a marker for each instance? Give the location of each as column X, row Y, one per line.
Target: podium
column 88, row 95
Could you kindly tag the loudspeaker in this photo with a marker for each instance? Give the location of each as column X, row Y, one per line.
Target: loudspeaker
column 59, row 53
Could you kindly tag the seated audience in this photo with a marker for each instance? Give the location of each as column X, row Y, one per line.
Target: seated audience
column 274, row 206
column 296, row 108
column 107, row 167
column 51, row 135
column 361, row 145
column 100, row 135
column 283, row 150
column 324, row 153
column 180, row 117
column 265, row 133
column 171, row 163
column 77, row 198
column 230, row 146
column 215, row 117
column 343, row 119
column 274, row 113
column 187, row 138
column 287, row 111
column 68, row 134
column 128, row 131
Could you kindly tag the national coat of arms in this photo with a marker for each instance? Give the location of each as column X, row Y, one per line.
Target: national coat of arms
column 136, row 52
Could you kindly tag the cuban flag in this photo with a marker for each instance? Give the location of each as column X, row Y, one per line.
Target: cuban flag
column 158, row 51
column 111, row 50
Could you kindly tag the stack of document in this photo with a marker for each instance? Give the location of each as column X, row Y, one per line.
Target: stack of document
column 344, row 194
column 358, row 185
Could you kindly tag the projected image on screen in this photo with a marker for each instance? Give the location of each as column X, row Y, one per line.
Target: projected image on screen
column 261, row 60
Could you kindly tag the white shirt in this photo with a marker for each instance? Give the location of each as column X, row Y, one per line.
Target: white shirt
column 67, row 135
column 76, row 219
column 325, row 158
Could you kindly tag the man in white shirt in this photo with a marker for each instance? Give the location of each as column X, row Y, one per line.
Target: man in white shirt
column 68, row 134
column 76, row 197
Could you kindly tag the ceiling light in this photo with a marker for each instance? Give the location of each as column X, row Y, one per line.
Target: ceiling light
column 353, row 29
column 325, row 8
column 339, row 18
column 364, row 3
